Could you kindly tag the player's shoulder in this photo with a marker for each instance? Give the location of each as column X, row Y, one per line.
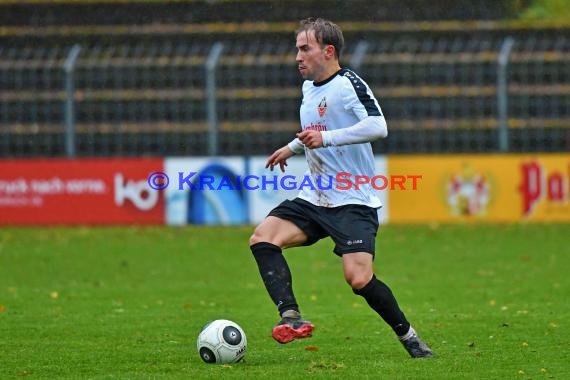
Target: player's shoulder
column 351, row 75
column 352, row 80
column 348, row 73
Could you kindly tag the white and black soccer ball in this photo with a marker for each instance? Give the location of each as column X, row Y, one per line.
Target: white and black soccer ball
column 221, row 342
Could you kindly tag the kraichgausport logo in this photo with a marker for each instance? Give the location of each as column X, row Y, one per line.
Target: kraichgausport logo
column 341, row 181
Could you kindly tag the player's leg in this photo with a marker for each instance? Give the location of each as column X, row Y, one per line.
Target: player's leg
column 353, row 229
column 285, row 227
column 358, row 273
column 267, row 242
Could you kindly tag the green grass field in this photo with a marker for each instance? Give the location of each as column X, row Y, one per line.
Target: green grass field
column 128, row 303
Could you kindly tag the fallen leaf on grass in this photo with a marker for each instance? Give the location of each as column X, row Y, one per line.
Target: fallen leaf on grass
column 320, row 366
column 311, row 348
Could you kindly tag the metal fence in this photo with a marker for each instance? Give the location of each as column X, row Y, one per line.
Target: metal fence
column 457, row 93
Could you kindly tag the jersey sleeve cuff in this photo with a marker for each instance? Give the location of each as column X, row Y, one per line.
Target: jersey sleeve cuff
column 296, row 146
column 327, row 138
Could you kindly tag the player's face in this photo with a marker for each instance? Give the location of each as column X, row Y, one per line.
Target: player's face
column 311, row 57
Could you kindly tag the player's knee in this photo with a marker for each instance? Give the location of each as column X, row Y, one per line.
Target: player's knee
column 357, row 280
column 259, row 236
column 281, row 233
column 255, row 238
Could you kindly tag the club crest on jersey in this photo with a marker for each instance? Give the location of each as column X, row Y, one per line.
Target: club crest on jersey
column 322, row 107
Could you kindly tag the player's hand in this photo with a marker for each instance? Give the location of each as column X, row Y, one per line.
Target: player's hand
column 311, row 139
column 279, row 157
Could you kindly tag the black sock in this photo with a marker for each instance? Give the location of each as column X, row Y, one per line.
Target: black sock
column 380, row 298
column 276, row 275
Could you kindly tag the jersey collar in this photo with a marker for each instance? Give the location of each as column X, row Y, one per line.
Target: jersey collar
column 323, row 82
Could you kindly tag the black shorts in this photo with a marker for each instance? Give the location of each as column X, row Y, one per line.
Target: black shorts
column 353, row 228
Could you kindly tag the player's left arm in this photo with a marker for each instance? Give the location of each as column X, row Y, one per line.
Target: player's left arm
column 359, row 99
column 366, row 130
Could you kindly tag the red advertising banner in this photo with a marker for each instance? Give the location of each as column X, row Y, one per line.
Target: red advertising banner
column 80, row 191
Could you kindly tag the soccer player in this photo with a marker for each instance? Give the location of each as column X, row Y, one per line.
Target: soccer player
column 340, row 116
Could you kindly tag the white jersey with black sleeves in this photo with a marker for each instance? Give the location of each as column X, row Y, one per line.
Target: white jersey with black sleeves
column 348, row 115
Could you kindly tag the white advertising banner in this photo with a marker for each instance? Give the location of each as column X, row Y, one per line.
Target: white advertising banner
column 235, row 190
column 384, row 195
column 286, row 185
column 205, row 190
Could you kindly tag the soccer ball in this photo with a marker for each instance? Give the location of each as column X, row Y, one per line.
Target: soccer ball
column 221, row 342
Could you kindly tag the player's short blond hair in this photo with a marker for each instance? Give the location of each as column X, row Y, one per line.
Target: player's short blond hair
column 326, row 33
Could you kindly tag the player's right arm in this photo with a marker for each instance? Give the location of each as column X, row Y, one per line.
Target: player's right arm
column 279, row 157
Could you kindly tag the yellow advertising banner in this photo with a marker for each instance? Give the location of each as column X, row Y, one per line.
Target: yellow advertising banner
column 481, row 188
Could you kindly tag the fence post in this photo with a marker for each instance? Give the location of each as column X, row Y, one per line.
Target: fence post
column 502, row 93
column 211, row 65
column 358, row 55
column 69, row 112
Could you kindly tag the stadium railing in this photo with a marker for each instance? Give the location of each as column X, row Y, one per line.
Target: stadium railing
column 440, row 94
